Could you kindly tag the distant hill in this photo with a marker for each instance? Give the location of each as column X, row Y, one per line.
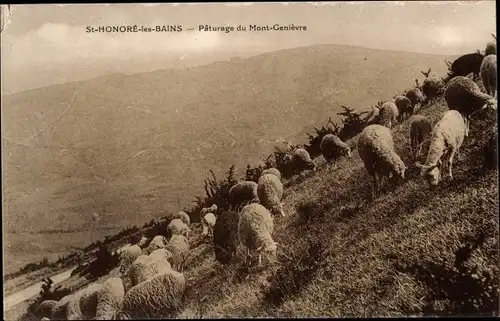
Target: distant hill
column 130, row 147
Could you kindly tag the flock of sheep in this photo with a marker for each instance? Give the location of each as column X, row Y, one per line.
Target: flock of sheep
column 152, row 282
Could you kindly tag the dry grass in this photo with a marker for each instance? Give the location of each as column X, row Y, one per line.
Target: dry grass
column 407, row 251
column 345, row 252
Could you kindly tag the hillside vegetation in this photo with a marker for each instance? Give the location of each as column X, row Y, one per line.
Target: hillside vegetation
column 344, row 251
column 132, row 148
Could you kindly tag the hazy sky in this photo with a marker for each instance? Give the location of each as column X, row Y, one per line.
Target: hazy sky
column 41, row 37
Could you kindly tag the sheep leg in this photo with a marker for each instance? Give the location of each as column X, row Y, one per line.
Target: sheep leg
column 450, row 163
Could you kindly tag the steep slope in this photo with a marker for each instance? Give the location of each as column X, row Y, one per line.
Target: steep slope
column 130, row 147
column 408, row 251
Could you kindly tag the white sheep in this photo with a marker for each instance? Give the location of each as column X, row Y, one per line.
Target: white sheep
column 273, row 171
column 44, row 319
column 159, row 297
column 208, row 223
column 420, row 131
column 146, row 267
column 376, row 149
column 47, row 307
column 388, row 114
column 243, row 193
column 332, row 146
column 464, row 95
column 177, row 226
column 489, row 74
column 270, row 192
column 255, row 228
column 301, row 160
column 178, row 245
column 447, row 137
column 128, row 255
column 183, row 216
column 158, row 242
column 404, row 106
column 109, row 299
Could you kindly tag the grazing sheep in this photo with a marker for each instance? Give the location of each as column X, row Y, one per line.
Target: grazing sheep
column 109, row 299
column 405, row 107
column 466, row 64
column 159, row 297
column 242, row 194
column 388, row 114
column 183, row 216
column 270, row 192
column 489, row 74
column 301, row 161
column 273, row 171
column 464, row 95
column 208, row 223
column 47, row 307
column 179, row 247
column 376, row 149
column 146, row 267
column 158, row 242
column 432, row 88
column 128, row 255
column 255, row 229
column 373, row 118
column 447, row 137
column 420, row 131
column 332, row 147
column 491, row 49
column 416, row 98
column 226, row 236
column 177, row 226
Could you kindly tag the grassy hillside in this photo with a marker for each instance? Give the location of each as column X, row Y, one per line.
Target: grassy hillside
column 407, row 251
column 131, row 147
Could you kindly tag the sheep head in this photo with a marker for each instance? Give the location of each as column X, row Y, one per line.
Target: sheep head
column 432, row 173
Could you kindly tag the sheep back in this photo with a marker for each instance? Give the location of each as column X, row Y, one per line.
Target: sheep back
column 47, row 307
column 273, row 171
column 463, row 94
column 225, row 236
column 301, row 160
column 404, row 105
column 243, row 192
column 332, row 147
column 415, row 96
column 376, row 149
column 159, row 297
column 270, row 192
column 255, row 226
column 388, row 114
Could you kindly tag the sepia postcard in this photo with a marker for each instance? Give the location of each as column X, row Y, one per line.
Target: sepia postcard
column 243, row 160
